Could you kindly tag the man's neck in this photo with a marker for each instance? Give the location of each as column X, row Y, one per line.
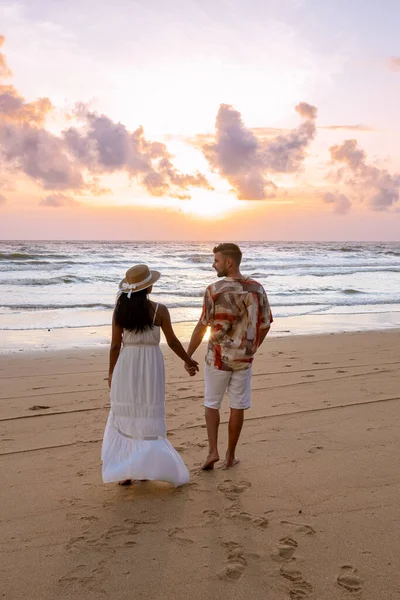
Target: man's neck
column 235, row 274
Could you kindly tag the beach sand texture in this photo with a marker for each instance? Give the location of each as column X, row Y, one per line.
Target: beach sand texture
column 312, row 510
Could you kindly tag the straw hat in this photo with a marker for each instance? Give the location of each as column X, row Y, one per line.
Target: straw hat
column 138, row 278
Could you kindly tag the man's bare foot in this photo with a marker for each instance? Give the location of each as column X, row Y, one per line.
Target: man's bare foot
column 230, row 462
column 125, row 482
column 211, row 460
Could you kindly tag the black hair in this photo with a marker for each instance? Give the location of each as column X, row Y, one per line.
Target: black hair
column 134, row 313
column 229, row 250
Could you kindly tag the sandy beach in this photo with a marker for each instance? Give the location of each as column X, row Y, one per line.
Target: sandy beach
column 311, row 511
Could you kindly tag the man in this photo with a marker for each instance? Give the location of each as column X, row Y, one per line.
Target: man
column 237, row 310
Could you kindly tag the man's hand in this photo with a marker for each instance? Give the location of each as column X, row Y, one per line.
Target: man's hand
column 192, row 367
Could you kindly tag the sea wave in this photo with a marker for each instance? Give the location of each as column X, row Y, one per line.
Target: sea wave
column 44, row 282
column 351, row 291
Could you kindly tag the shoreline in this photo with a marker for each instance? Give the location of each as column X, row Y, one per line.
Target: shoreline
column 92, row 337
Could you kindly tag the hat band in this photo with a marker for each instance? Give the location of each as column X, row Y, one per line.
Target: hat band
column 131, row 287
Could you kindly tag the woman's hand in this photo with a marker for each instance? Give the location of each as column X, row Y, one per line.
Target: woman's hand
column 192, row 367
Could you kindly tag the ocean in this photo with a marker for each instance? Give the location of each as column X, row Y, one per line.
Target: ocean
column 312, row 287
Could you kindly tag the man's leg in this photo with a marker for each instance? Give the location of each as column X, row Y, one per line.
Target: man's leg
column 212, row 422
column 215, row 384
column 234, row 428
column 239, row 391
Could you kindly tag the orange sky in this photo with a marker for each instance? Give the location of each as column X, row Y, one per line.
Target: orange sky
column 277, row 122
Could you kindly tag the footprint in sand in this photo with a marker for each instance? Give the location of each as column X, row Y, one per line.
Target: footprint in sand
column 349, row 579
column 341, row 371
column 233, row 512
column 114, row 537
column 231, row 490
column 82, row 576
column 301, row 527
column 300, row 588
column 211, row 516
column 314, row 449
column 308, row 375
column 287, row 547
column 175, row 535
column 236, row 562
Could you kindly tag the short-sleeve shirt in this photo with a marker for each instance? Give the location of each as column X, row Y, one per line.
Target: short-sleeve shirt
column 236, row 311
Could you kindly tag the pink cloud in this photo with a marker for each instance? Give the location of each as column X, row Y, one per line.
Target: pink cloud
column 394, row 63
column 379, row 187
column 341, row 203
column 58, row 201
column 248, row 161
column 77, row 158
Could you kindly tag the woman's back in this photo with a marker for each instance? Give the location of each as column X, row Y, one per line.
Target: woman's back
column 149, row 337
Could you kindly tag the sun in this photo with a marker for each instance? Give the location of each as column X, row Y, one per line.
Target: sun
column 205, row 204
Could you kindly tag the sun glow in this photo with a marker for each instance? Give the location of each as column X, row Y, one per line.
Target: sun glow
column 208, row 205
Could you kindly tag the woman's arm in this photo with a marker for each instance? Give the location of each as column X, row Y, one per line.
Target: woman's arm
column 174, row 343
column 115, row 347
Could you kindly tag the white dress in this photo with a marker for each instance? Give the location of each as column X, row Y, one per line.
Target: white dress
column 135, row 444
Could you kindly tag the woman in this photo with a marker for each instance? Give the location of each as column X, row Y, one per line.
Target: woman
column 135, row 444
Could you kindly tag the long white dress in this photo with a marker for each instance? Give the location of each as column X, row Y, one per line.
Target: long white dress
column 135, row 444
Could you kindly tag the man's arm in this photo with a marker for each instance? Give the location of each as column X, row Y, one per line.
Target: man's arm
column 197, row 337
column 200, row 330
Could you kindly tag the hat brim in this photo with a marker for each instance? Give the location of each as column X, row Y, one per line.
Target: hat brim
column 155, row 276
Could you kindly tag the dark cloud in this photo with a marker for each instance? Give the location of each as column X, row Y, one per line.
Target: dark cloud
column 377, row 186
column 58, row 201
column 247, row 161
column 340, row 202
column 394, row 63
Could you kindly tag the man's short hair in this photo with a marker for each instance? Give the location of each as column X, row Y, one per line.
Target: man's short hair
column 229, row 250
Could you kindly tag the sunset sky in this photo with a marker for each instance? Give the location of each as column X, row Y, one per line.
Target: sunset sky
column 200, row 119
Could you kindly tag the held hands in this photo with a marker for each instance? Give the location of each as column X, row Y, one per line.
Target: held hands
column 192, row 367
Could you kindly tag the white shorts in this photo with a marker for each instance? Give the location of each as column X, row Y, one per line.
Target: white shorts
column 236, row 383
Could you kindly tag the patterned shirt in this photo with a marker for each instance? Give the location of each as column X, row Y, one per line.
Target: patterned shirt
column 236, row 310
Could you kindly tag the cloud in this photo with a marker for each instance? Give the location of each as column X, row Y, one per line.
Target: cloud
column 341, row 203
column 394, row 63
column 3, row 199
column 103, row 146
column 286, row 153
column 13, row 106
column 4, row 70
column 58, row 201
column 358, row 127
column 41, row 156
column 377, row 186
column 77, row 158
column 247, row 161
